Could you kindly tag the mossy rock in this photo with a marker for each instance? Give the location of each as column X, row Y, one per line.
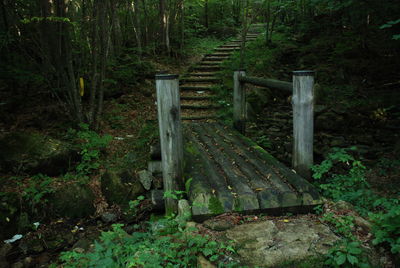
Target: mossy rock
column 73, row 201
column 34, row 153
column 119, row 187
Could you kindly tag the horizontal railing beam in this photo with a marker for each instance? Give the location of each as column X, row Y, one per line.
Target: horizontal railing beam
column 287, row 87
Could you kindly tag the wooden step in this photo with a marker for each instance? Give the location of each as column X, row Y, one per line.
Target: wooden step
column 206, row 68
column 210, row 63
column 229, row 46
column 200, row 74
column 219, row 54
column 208, row 58
column 208, row 97
column 199, row 107
column 226, row 49
column 200, row 80
column 198, row 118
column 196, row 88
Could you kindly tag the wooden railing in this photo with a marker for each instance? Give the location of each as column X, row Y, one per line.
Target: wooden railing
column 301, row 89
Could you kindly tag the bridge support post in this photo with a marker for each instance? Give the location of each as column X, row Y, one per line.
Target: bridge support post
column 239, row 102
column 303, row 122
column 169, row 120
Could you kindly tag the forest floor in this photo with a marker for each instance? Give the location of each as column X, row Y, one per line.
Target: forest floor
column 130, row 119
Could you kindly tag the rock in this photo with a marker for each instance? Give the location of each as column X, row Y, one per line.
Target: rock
column 338, row 142
column 271, row 244
column 19, row 264
column 4, row 251
column 146, row 179
column 342, row 205
column 274, row 129
column 218, row 224
column 119, row 187
column 184, row 210
column 31, row 245
column 157, row 199
column 109, row 217
column 82, row 244
column 204, row 263
column 34, row 153
column 73, row 201
column 329, row 121
column 155, row 167
column 155, row 151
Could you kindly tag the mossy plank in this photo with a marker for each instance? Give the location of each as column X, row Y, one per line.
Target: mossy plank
column 237, row 183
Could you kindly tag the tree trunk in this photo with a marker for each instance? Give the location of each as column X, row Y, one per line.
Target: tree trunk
column 137, row 27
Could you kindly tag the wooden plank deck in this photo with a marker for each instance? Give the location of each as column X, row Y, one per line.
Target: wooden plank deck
column 230, row 173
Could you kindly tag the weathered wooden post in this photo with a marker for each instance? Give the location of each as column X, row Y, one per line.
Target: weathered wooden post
column 239, row 102
column 169, row 120
column 303, row 122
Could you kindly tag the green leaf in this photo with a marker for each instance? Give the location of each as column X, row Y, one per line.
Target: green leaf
column 352, row 259
column 340, row 259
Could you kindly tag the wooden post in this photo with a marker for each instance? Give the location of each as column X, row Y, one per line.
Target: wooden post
column 169, row 120
column 239, row 102
column 303, row 122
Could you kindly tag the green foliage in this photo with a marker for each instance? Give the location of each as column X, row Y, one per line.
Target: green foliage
column 39, row 186
column 128, row 69
column 215, row 206
column 352, row 186
column 165, row 246
column 346, row 254
column 349, row 184
column 386, row 226
column 343, row 224
column 264, row 141
column 91, row 144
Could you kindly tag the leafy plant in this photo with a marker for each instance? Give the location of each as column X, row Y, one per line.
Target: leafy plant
column 169, row 246
column 343, row 224
column 91, row 145
column 386, row 226
column 346, row 254
column 348, row 183
column 37, row 189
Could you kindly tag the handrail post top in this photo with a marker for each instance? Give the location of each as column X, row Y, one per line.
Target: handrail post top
column 166, row 76
column 304, row 73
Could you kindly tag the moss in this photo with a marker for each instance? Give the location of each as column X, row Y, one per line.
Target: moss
column 238, row 206
column 312, row 262
column 215, row 206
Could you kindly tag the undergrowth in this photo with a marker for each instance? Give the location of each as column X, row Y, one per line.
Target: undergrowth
column 163, row 244
column 343, row 177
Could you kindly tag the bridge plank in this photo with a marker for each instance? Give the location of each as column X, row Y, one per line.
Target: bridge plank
column 245, row 198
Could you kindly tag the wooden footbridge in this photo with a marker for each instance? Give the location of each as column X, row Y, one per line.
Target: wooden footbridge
column 227, row 171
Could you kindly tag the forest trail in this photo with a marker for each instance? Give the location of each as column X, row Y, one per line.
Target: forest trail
column 197, row 97
column 230, row 172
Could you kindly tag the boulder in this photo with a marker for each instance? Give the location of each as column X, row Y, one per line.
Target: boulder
column 275, row 243
column 73, row 200
column 34, row 153
column 119, row 187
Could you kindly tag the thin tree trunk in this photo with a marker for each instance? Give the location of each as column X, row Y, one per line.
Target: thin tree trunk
column 137, row 26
